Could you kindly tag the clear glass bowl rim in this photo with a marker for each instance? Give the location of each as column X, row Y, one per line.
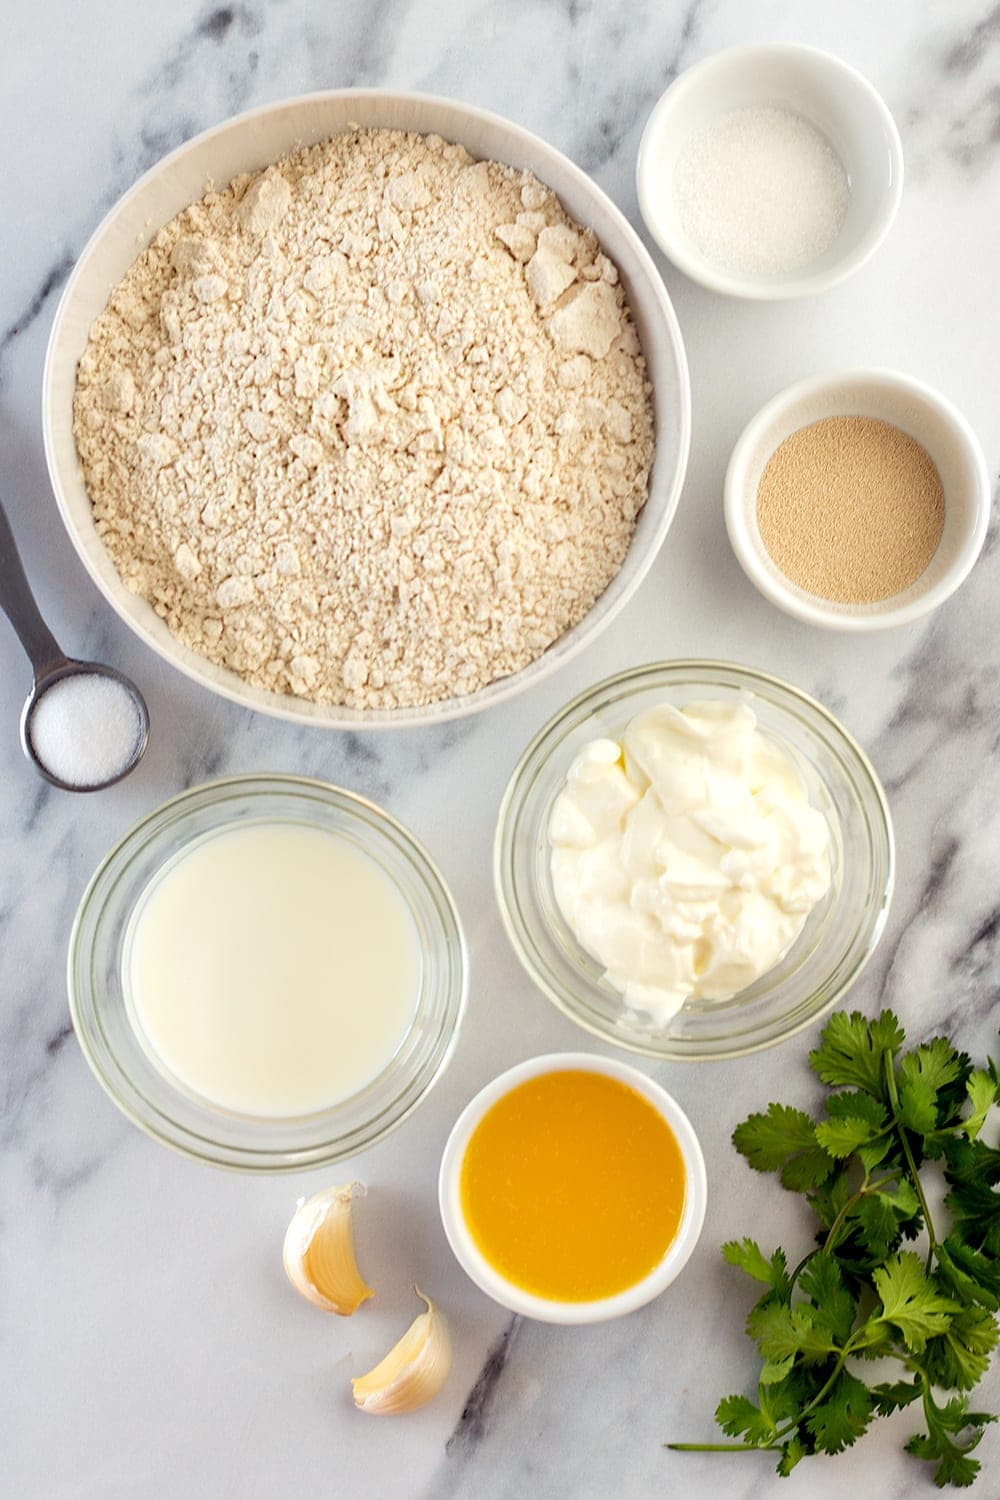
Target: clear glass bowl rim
column 732, row 674
column 258, row 1160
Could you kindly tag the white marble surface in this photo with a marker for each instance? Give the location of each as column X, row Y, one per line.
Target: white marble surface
column 148, row 1341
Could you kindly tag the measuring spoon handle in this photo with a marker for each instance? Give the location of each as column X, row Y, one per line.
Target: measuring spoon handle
column 18, row 604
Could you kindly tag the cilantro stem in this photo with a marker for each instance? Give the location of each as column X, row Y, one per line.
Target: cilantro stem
column 793, row 1279
column 780, row 1435
column 918, row 1187
column 830, row 1243
column 821, row 1394
column 853, row 1344
column 724, row 1447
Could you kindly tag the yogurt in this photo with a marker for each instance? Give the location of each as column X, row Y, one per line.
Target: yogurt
column 686, row 858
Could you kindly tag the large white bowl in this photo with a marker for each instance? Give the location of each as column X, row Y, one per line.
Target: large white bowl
column 249, row 142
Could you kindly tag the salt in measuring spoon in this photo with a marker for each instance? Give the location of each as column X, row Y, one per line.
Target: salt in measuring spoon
column 51, row 667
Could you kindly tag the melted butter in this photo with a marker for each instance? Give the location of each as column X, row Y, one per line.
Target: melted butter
column 573, row 1186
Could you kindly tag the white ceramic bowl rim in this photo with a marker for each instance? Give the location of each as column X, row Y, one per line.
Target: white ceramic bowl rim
column 808, row 283
column 545, row 1309
column 649, row 303
column 811, row 608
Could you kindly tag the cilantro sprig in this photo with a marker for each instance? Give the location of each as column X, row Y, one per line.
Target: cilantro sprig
column 886, row 1279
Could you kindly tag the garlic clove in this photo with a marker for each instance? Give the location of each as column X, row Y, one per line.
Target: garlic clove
column 319, row 1251
column 413, row 1371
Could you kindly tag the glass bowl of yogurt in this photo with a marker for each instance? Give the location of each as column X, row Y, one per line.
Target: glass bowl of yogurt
column 694, row 860
column 267, row 973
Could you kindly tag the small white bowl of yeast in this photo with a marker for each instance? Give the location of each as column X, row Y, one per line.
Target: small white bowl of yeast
column 916, row 412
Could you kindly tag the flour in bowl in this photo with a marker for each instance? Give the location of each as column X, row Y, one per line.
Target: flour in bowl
column 372, row 426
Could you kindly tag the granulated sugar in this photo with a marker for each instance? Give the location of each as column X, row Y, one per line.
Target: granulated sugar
column 851, row 509
column 85, row 729
column 372, row 426
column 761, row 192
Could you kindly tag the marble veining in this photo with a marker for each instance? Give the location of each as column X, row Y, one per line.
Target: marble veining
column 151, row 1345
column 473, row 1424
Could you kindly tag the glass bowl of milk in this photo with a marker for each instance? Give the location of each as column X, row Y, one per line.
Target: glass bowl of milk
column 267, row 973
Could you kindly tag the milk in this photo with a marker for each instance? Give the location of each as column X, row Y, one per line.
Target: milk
column 272, row 968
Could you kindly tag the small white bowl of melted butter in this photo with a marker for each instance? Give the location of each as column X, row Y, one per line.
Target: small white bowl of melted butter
column 694, row 860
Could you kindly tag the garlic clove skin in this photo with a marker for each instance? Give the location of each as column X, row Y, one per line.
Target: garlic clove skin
column 319, row 1251
column 413, row 1371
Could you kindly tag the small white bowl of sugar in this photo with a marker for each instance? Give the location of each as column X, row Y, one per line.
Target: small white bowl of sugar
column 770, row 171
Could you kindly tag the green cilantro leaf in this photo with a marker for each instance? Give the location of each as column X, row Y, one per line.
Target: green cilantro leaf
column 983, row 1089
column 874, row 1152
column 857, row 1106
column 740, row 1418
column 872, row 1146
column 807, row 1170
column 943, row 1441
column 878, row 1225
column 777, row 1140
column 791, row 1453
column 911, row 1301
column 926, row 1075
column 834, row 1308
column 959, row 1358
column 747, row 1255
column 971, row 1160
column 842, row 1417
column 934, row 1063
column 768, row 1140
column 780, row 1330
column 980, row 1272
column 843, row 1137
column 972, row 1170
column 773, row 1371
column 893, row 1395
column 954, row 1466
column 770, row 1325
column 903, row 1199
column 918, row 1106
column 852, row 1048
column 830, row 1198
column 782, row 1401
column 877, row 1341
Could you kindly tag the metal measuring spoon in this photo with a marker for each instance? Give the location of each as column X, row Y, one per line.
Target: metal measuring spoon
column 50, row 665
